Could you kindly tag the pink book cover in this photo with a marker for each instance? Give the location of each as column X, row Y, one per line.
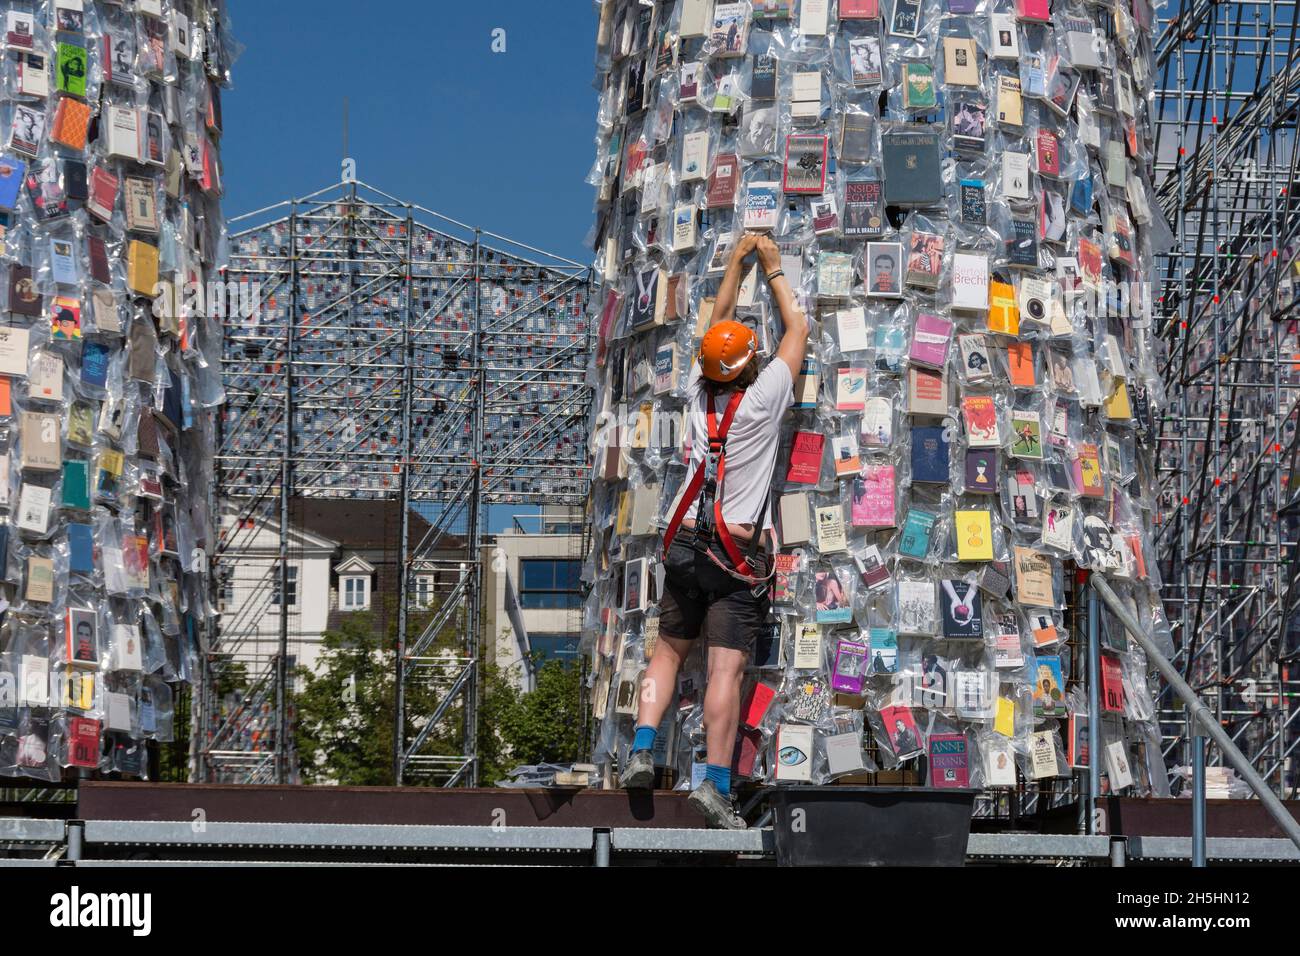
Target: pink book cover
column 873, row 497
column 806, row 458
column 1033, row 9
column 930, row 340
column 859, row 9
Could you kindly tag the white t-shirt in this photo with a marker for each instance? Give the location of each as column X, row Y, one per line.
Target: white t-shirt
column 751, row 444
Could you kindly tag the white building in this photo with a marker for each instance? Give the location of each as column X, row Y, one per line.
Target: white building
column 540, row 557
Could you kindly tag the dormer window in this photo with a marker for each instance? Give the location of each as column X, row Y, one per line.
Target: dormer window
column 355, row 576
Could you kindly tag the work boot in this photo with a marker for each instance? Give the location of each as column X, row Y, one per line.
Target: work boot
column 639, row 774
column 718, row 810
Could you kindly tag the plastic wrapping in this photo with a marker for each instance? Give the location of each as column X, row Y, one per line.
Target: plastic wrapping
column 962, row 201
column 109, row 204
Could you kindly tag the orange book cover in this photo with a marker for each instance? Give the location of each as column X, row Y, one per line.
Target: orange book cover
column 1020, row 364
column 71, row 122
column 1004, row 314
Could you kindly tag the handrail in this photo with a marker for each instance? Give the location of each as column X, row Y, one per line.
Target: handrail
column 1200, row 713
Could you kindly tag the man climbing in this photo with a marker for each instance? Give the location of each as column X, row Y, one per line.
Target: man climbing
column 716, row 575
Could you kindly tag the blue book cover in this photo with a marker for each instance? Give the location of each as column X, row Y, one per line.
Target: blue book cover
column 891, row 344
column 94, row 363
column 12, row 172
column 1081, row 195
column 81, row 547
column 929, row 455
column 914, row 542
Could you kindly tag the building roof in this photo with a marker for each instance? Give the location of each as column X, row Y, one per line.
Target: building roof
column 363, row 523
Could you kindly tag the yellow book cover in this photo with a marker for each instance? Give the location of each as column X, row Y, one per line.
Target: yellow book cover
column 624, row 521
column 142, row 267
column 1004, row 314
column 1005, row 720
column 974, row 535
column 1117, row 406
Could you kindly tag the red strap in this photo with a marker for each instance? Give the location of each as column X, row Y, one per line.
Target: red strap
column 717, row 436
column 728, row 542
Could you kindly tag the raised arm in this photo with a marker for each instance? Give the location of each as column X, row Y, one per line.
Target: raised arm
column 724, row 307
column 794, row 343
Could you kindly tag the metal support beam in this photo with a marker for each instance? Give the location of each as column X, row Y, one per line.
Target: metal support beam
column 1198, row 711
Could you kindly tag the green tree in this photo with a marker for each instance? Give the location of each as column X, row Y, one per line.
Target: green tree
column 544, row 726
column 346, row 708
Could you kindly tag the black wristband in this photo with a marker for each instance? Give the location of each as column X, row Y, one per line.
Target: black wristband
column 772, row 277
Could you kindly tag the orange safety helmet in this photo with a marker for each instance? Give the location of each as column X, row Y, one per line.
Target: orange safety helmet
column 726, row 350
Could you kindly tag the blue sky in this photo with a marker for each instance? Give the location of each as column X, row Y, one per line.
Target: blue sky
column 503, row 141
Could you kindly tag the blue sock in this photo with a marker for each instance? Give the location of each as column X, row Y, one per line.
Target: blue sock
column 721, row 777
column 644, row 739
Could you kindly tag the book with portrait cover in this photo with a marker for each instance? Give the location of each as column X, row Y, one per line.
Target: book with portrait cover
column 729, row 34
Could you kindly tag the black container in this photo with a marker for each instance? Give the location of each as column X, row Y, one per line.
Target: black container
column 871, row 826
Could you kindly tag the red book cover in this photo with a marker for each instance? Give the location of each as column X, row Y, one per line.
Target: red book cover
column 103, row 194
column 757, row 701
column 83, row 742
column 981, row 416
column 98, row 260
column 1140, row 564
column 859, row 9
column 723, row 182
column 613, row 302
column 786, row 565
column 749, row 743
column 806, row 458
column 1112, row 684
column 1049, row 154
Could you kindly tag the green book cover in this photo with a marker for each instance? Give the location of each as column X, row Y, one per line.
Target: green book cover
column 76, row 488
column 70, row 70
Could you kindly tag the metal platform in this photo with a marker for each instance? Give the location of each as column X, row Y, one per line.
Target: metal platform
column 183, row 825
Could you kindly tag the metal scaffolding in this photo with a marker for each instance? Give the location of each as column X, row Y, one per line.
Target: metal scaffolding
column 1228, row 91
column 393, row 354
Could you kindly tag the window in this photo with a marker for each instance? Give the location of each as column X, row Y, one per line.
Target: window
column 356, row 595
column 554, row 647
column 293, row 586
column 424, row 590
column 548, row 584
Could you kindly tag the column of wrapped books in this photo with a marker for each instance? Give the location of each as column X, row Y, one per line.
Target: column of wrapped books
column 961, row 192
column 110, row 229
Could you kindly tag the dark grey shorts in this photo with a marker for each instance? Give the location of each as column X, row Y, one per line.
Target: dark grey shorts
column 700, row 595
